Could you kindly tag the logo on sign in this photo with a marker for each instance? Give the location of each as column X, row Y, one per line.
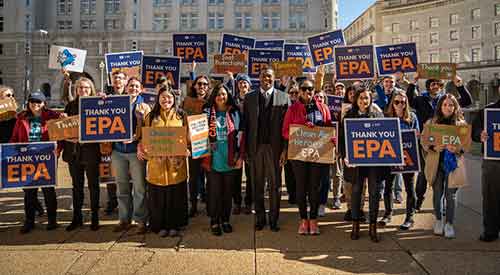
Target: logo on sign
column 367, row 125
column 100, row 102
column 65, row 57
column 23, row 149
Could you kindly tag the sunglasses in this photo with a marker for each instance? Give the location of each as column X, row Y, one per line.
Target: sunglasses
column 310, row 89
column 202, row 84
column 8, row 95
column 399, row 102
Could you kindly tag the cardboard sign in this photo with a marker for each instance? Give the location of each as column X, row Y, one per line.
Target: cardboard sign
column 155, row 67
column 312, row 144
column 287, row 68
column 492, row 127
column 8, row 107
column 198, row 133
column 272, row 44
column 411, row 154
column 193, row 106
column 67, row 58
column 128, row 62
column 106, row 172
column 437, row 70
column 105, row 120
column 354, row 62
column 322, row 45
column 301, row 53
column 397, row 58
column 28, row 165
column 373, row 141
column 236, row 44
column 164, row 141
column 234, row 63
column 440, row 134
column 64, row 128
column 259, row 60
column 191, row 47
column 335, row 105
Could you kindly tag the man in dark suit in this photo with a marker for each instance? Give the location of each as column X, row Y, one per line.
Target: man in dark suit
column 264, row 111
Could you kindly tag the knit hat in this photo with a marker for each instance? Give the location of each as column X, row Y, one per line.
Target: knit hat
column 243, row 77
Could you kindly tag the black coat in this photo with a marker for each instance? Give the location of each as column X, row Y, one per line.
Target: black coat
column 6, row 129
column 280, row 104
column 478, row 123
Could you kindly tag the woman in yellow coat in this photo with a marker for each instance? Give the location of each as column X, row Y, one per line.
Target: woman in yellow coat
column 166, row 176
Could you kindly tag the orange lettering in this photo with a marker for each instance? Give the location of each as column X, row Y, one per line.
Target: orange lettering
column 371, row 147
column 41, row 172
column 358, row 148
column 496, row 142
column 13, row 172
column 91, row 126
column 408, row 159
column 117, row 126
column 27, row 169
column 103, row 122
column 387, row 149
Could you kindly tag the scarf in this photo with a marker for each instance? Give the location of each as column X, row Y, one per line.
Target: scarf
column 450, row 162
column 212, row 124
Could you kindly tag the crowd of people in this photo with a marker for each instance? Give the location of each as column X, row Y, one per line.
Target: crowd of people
column 249, row 131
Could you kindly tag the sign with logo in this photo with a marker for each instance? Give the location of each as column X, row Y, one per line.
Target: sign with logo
column 164, row 141
column 28, row 165
column 272, row 44
column 373, row 141
column 322, row 45
column 411, row 153
column 234, row 63
column 437, row 70
column 312, row 144
column 128, row 62
column 301, row 53
column 335, row 105
column 156, row 67
column 236, row 44
column 354, row 62
column 67, row 58
column 492, row 127
column 440, row 134
column 397, row 58
column 106, row 171
column 63, row 128
column 198, row 133
column 105, row 119
column 287, row 68
column 259, row 60
column 191, row 47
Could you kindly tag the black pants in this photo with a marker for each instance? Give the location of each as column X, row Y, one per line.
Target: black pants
column 290, row 182
column 421, row 186
column 491, row 197
column 112, row 198
column 219, row 190
column 409, row 182
column 30, row 201
column 374, row 189
column 168, row 206
column 77, row 170
column 265, row 167
column 308, row 177
column 194, row 178
column 237, row 197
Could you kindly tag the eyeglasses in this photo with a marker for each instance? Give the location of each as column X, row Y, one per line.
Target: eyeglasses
column 202, row 84
column 399, row 102
column 310, row 89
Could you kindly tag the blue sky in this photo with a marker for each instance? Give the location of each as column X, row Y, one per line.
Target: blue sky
column 350, row 9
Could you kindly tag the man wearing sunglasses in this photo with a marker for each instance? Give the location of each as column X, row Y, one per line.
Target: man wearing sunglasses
column 264, row 111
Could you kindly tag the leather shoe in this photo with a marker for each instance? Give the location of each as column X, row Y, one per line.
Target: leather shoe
column 74, row 225
column 487, row 238
column 259, row 226
column 216, row 230
column 227, row 228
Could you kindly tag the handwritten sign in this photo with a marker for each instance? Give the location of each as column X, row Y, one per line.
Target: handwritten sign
column 63, row 128
column 301, row 53
column 259, row 60
column 156, row 67
column 8, row 107
column 492, row 127
column 106, row 171
column 67, row 58
column 354, row 62
column 312, row 144
column 411, row 154
column 28, row 165
column 108, row 119
column 128, row 62
column 373, row 141
column 236, row 44
column 440, row 134
column 198, row 133
column 322, row 45
column 287, row 68
column 191, row 47
column 164, row 141
column 437, row 70
column 234, row 63
column 397, row 58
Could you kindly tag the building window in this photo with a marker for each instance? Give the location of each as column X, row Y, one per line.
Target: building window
column 1, row 23
column 184, row 21
column 194, row 20
column 243, row 2
column 476, row 32
column 1, row 3
column 434, row 38
column 213, row 46
column 271, row 21
column 243, row 20
column 297, row 2
column 395, row 28
column 496, row 31
column 275, row 20
column 415, row 38
column 497, row 52
column 454, row 56
column 475, row 55
column 189, row 20
column 188, row 2
column 215, row 20
column 88, row 24
column 1, row 49
column 433, row 57
column 433, row 22
column 413, row 25
column 160, row 22
column 297, row 20
column 475, row 14
column 497, row 9
column 27, row 23
column 88, row 7
column 63, row 25
column 267, row 2
column 453, row 18
column 111, row 24
column 215, row 2
column 161, row 3
column 64, row 7
column 111, row 6
column 453, row 35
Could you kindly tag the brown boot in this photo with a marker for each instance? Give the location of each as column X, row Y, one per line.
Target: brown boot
column 373, row 232
column 355, row 230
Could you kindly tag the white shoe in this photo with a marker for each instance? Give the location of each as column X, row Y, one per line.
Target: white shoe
column 438, row 227
column 449, row 231
column 321, row 210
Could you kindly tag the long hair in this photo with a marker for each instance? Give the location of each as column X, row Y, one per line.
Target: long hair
column 292, row 83
column 230, row 100
column 457, row 112
column 346, row 95
column 357, row 92
column 391, row 112
column 192, row 89
column 155, row 112
column 79, row 81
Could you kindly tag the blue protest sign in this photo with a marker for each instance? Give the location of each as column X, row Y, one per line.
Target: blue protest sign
column 149, row 98
column 321, row 46
column 492, row 127
column 272, row 44
column 335, row 106
column 191, row 47
column 373, row 141
column 105, row 120
column 354, row 62
column 235, row 44
column 28, row 165
column 396, row 58
column 128, row 62
column 300, row 52
column 411, row 153
column 155, row 67
column 258, row 60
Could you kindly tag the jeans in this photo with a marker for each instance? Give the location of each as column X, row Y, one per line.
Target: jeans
column 389, row 184
column 443, row 194
column 131, row 203
column 337, row 172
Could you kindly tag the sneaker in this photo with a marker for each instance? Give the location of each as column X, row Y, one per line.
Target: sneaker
column 385, row 220
column 336, row 203
column 163, row 233
column 398, row 198
column 438, row 227
column 449, row 231
column 216, row 230
column 407, row 224
column 313, row 227
column 321, row 210
column 303, row 227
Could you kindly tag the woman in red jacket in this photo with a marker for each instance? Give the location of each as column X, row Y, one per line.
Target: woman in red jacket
column 307, row 111
column 31, row 126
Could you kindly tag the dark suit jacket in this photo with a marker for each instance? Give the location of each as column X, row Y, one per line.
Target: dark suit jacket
column 280, row 104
